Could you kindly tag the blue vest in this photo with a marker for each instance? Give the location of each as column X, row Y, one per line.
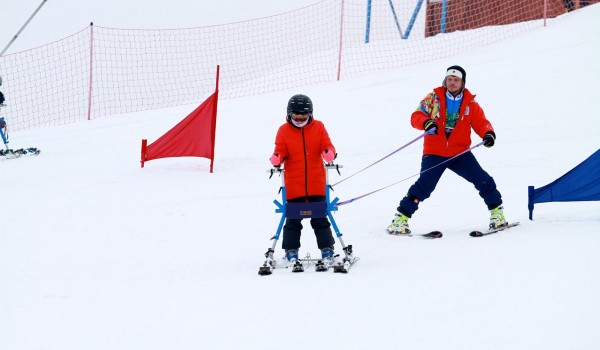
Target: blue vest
column 452, row 111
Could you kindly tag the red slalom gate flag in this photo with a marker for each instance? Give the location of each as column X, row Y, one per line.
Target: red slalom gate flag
column 194, row 136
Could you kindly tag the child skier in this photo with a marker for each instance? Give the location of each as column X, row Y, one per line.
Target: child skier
column 301, row 144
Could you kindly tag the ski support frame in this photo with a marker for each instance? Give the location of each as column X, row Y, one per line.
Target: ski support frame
column 303, row 210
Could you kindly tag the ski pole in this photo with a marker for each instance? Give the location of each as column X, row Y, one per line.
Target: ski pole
column 365, row 168
column 23, row 27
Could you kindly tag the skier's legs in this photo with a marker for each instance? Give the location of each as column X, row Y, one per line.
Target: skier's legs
column 293, row 227
column 291, row 234
column 323, row 232
column 321, row 226
column 424, row 186
column 467, row 167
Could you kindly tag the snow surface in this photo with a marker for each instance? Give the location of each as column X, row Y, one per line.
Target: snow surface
column 97, row 253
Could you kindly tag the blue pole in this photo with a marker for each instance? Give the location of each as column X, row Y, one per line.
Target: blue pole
column 368, row 29
column 444, row 9
column 281, row 209
column 531, row 198
column 396, row 19
column 2, row 133
column 334, row 224
column 331, row 206
column 413, row 19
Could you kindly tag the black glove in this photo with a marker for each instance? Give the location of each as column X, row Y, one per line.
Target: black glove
column 430, row 126
column 1, row 98
column 489, row 139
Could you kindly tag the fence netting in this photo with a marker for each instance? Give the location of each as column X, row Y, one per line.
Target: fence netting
column 102, row 71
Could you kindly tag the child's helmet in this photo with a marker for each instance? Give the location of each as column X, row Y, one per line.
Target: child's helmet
column 300, row 104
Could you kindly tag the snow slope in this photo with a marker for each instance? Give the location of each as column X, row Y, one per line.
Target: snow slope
column 97, row 253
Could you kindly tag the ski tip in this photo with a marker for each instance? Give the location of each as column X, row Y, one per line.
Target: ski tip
column 476, row 234
column 340, row 269
column 434, row 234
column 297, row 267
column 264, row 270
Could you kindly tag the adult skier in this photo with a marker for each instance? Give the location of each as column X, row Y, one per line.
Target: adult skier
column 301, row 145
column 447, row 115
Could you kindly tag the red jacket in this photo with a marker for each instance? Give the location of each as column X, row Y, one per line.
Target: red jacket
column 300, row 150
column 470, row 116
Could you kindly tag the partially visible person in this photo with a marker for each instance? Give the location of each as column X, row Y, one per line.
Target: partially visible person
column 2, row 122
column 1, row 94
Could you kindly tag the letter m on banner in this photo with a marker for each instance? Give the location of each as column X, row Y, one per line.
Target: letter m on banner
column 194, row 136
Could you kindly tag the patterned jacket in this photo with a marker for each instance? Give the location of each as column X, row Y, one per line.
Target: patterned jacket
column 470, row 116
column 300, row 149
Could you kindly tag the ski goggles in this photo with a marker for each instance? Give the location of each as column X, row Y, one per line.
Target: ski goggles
column 299, row 116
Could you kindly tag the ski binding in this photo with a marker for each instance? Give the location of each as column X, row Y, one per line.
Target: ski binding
column 489, row 232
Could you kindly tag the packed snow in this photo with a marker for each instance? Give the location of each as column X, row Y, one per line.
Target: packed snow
column 98, row 253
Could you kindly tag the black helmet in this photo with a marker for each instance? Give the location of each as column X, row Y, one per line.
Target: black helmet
column 300, row 104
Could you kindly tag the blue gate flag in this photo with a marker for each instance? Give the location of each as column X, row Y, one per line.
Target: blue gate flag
column 581, row 183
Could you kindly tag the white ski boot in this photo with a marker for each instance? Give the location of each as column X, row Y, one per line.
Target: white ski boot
column 497, row 218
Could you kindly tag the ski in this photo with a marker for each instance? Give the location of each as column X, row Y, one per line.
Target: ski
column 297, row 267
column 269, row 264
column 340, row 266
column 430, row 235
column 433, row 234
column 489, row 232
column 344, row 265
column 322, row 266
column 265, row 270
column 11, row 154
